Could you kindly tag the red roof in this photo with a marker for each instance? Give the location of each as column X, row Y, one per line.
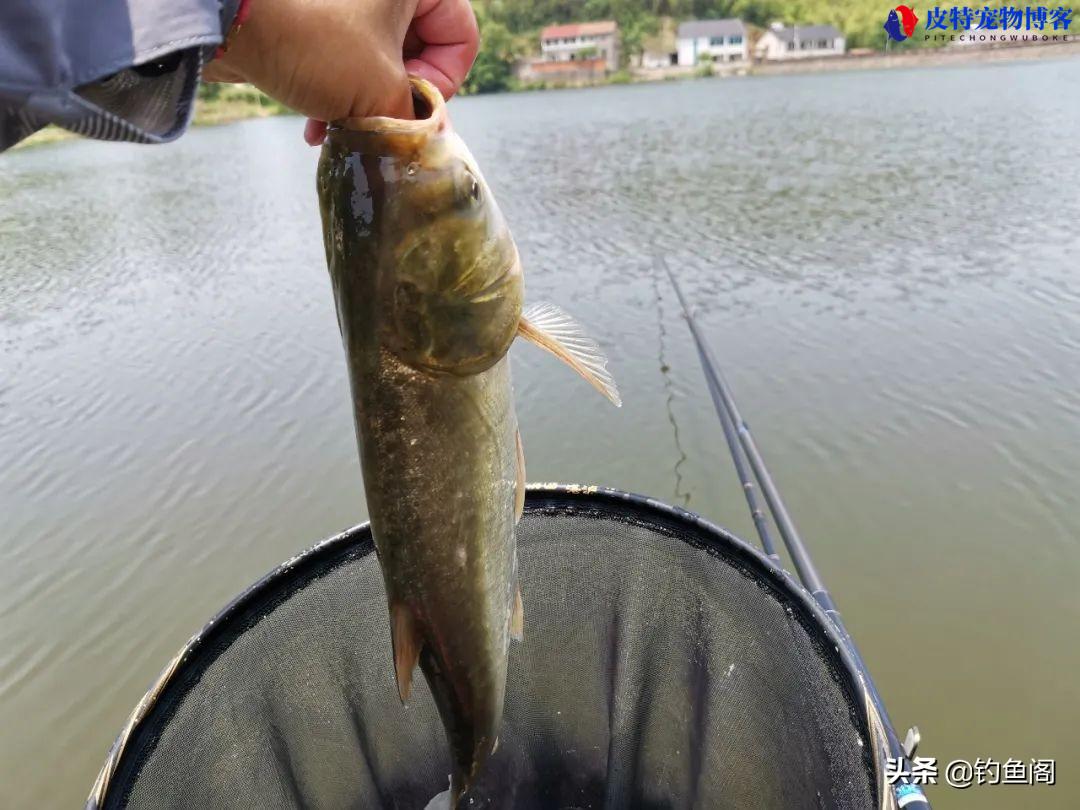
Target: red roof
column 579, row 29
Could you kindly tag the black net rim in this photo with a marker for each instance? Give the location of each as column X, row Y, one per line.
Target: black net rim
column 128, row 752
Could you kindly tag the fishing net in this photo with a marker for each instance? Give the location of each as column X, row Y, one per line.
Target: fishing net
column 666, row 664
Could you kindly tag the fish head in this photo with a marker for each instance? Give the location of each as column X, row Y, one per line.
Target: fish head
column 450, row 286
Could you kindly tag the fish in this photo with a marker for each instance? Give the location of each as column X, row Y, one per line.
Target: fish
column 429, row 291
column 892, row 27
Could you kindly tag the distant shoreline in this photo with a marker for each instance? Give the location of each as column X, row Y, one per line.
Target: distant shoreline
column 241, row 103
column 925, row 57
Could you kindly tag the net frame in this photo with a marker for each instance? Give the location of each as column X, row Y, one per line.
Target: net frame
column 136, row 740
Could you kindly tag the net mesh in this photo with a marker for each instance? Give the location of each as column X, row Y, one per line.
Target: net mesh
column 665, row 665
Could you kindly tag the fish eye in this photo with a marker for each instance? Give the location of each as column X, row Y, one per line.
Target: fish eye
column 466, row 189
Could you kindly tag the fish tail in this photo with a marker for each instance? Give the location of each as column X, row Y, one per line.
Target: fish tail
column 464, row 774
column 472, row 733
column 457, row 790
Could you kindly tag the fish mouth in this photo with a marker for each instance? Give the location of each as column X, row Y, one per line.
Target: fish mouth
column 431, row 119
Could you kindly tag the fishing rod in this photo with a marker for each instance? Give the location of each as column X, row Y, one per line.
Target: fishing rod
column 746, row 449
column 730, row 417
column 761, row 521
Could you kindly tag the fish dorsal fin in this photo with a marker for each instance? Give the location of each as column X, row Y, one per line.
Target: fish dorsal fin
column 517, row 617
column 550, row 328
column 407, row 642
column 519, row 483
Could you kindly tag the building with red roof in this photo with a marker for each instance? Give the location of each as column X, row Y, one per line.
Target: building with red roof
column 586, row 42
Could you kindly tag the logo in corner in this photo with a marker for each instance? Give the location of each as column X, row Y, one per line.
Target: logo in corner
column 900, row 24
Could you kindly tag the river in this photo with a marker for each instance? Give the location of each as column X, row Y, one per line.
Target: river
column 884, row 262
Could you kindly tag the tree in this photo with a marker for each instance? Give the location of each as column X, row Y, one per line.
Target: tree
column 636, row 21
column 633, row 29
column 494, row 65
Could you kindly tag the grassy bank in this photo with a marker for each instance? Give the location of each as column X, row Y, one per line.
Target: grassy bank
column 222, row 103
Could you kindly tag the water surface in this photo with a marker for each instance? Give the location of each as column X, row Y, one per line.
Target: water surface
column 886, row 264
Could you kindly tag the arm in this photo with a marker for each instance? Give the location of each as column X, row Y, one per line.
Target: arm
column 128, row 69
column 110, row 69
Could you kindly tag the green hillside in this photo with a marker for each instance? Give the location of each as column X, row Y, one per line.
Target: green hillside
column 860, row 20
column 510, row 28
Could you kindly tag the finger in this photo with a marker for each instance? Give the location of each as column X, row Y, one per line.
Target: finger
column 399, row 102
column 314, row 132
column 447, row 29
column 395, row 100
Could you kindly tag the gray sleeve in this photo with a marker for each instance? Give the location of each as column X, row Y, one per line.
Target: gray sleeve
column 111, row 69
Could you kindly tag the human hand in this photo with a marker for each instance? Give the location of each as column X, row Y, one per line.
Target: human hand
column 331, row 59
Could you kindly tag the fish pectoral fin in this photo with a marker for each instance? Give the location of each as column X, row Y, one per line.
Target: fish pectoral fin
column 517, row 617
column 550, row 328
column 519, row 484
column 406, row 640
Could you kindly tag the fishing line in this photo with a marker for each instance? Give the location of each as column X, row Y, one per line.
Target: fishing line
column 761, row 520
column 744, row 448
column 669, row 388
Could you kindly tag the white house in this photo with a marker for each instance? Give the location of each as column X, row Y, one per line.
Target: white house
column 799, row 42
column 717, row 40
column 582, row 42
column 655, row 60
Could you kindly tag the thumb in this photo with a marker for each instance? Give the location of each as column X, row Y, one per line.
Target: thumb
column 395, row 102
